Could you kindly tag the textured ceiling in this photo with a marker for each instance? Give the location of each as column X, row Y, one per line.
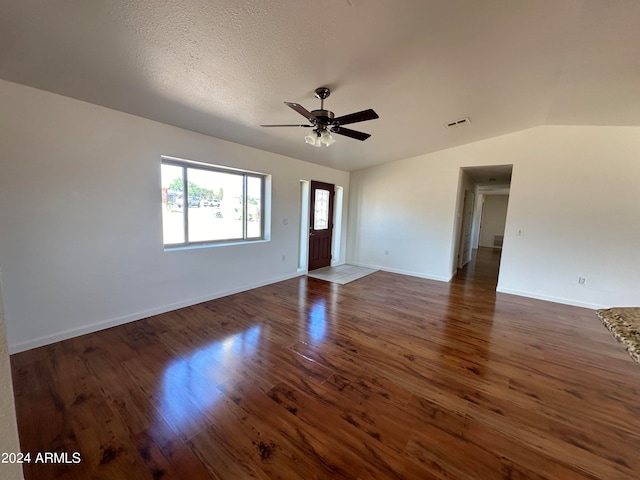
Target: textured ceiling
column 224, row 67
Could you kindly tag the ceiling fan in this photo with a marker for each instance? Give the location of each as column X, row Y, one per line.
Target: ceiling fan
column 324, row 122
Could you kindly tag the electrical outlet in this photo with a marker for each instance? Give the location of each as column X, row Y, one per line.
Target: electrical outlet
column 386, row 252
column 284, row 258
column 582, row 280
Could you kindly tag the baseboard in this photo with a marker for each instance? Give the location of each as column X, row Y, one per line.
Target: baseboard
column 404, row 272
column 114, row 322
column 548, row 298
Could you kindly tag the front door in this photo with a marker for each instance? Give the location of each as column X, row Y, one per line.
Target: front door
column 321, row 224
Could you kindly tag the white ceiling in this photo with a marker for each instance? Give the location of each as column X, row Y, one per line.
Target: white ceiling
column 223, row 67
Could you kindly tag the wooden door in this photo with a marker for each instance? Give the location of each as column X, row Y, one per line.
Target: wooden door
column 320, row 224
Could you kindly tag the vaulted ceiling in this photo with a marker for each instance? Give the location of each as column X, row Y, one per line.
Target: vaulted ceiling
column 224, row 67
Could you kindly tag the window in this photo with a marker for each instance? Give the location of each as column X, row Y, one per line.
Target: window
column 321, row 212
column 206, row 204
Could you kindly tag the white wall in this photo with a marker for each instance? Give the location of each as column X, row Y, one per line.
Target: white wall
column 80, row 228
column 395, row 208
column 573, row 194
column 494, row 217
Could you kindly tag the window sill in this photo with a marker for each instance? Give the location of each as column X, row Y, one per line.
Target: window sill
column 199, row 246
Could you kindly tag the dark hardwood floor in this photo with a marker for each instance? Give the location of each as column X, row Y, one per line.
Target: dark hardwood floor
column 388, row 377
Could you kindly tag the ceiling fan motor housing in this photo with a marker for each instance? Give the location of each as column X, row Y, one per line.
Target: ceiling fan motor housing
column 325, row 117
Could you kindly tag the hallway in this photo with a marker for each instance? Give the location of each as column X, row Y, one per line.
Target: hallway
column 481, row 271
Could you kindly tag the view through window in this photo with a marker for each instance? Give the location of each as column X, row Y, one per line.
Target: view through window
column 207, row 204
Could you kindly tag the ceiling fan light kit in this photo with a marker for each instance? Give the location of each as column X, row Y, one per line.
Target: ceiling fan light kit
column 324, row 122
column 320, row 138
column 327, row 139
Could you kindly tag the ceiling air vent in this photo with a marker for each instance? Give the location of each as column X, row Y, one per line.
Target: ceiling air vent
column 459, row 123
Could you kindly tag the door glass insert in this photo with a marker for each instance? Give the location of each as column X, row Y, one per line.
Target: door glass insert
column 321, row 211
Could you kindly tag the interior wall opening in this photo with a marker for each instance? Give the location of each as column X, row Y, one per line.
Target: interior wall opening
column 481, row 216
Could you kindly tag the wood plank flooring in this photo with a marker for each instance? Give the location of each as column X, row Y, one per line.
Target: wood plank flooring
column 388, row 377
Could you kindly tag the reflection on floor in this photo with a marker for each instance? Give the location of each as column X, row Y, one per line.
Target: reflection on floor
column 341, row 274
column 482, row 269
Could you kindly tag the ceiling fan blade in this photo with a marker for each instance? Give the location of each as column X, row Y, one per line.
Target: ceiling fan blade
column 355, row 117
column 302, row 111
column 347, row 132
column 309, row 126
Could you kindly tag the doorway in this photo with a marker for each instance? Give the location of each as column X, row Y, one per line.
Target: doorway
column 477, row 226
column 321, row 206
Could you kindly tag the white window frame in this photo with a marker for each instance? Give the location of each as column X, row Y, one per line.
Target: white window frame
column 245, row 174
